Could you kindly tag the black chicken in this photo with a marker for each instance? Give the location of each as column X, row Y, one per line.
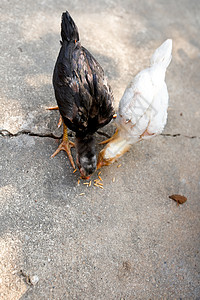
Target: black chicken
column 84, row 98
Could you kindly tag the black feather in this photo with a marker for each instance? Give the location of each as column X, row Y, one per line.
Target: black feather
column 84, row 98
column 69, row 31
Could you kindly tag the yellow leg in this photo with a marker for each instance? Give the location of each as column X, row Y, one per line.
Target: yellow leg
column 110, row 139
column 65, row 145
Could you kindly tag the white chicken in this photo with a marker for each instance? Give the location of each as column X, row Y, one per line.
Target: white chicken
column 142, row 111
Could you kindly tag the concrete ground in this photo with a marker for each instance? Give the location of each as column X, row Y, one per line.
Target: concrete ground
column 128, row 240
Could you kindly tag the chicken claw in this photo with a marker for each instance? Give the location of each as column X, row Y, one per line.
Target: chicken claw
column 65, row 145
column 56, row 108
column 59, row 122
column 52, row 108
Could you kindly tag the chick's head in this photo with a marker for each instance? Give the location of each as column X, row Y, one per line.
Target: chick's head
column 86, row 156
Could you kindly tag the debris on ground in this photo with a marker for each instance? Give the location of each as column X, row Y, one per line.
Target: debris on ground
column 31, row 280
column 178, row 198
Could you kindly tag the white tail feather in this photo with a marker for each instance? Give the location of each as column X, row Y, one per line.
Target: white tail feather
column 163, row 55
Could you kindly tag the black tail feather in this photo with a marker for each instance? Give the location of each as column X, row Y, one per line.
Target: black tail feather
column 69, row 31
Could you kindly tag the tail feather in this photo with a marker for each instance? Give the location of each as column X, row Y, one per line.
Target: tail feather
column 163, row 55
column 69, row 31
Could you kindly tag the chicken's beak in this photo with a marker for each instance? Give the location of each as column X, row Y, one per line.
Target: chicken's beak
column 85, row 177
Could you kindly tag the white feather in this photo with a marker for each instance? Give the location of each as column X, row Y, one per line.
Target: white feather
column 163, row 55
column 142, row 111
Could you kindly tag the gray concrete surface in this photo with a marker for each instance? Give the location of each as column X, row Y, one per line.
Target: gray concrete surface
column 128, row 240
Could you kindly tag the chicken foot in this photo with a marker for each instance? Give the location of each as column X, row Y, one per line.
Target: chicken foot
column 65, row 145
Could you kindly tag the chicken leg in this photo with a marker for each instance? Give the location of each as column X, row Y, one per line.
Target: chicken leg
column 65, row 145
column 110, row 139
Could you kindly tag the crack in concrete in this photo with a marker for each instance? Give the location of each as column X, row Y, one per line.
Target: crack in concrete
column 104, row 134
column 5, row 132
column 181, row 135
